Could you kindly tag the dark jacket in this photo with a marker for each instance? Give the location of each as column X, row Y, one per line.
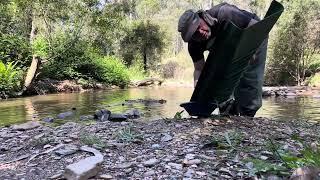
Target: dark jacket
column 223, row 12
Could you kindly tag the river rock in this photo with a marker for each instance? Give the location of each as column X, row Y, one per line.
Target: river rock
column 65, row 115
column 105, row 176
column 166, row 137
column 151, row 162
column 102, row 115
column 48, row 119
column 85, row 168
column 132, row 114
column 26, row 126
column 191, row 162
column 175, row 166
column 86, row 117
column 118, row 117
column 149, row 173
column 67, row 150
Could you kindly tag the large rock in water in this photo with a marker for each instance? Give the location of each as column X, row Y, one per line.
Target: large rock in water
column 65, row 115
column 132, row 113
column 102, row 115
column 26, row 126
column 118, row 117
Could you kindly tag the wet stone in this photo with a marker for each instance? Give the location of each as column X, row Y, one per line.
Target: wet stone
column 151, row 162
column 149, row 173
column 166, row 138
column 67, row 150
column 105, row 176
column 65, row 115
column 26, row 126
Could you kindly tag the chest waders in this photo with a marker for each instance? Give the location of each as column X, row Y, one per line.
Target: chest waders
column 230, row 69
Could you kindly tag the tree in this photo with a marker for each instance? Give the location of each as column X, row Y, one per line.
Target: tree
column 296, row 43
column 145, row 41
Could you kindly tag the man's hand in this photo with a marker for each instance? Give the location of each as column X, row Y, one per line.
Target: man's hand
column 198, row 66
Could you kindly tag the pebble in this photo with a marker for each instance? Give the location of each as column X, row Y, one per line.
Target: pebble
column 151, row 162
column 166, row 138
column 124, row 165
column 176, row 166
column 201, row 173
column 155, row 146
column 191, row 162
column 105, row 176
column 67, row 140
column 149, row 173
column 189, row 173
column 47, row 146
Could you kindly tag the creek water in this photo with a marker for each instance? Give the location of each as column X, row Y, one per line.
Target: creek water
column 20, row 110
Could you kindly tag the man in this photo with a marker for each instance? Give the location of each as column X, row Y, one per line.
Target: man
column 199, row 30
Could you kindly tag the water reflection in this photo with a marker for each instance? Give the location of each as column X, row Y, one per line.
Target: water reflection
column 37, row 107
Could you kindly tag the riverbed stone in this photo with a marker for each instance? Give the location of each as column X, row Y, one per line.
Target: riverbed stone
column 84, row 169
column 26, row 126
column 65, row 115
column 132, row 114
column 118, row 117
column 48, row 119
column 191, row 162
column 67, row 150
column 102, row 115
column 86, row 117
column 151, row 162
column 175, row 166
column 166, row 137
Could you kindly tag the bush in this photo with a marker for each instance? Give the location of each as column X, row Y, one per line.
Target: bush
column 315, row 80
column 136, row 72
column 10, row 78
column 110, row 70
column 15, row 49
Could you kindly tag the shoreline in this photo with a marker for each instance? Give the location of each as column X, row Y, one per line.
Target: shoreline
column 163, row 148
column 49, row 86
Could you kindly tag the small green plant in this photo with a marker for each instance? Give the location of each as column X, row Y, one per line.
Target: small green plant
column 40, row 142
column 178, row 115
column 229, row 140
column 126, row 134
column 90, row 140
column 10, row 78
column 258, row 166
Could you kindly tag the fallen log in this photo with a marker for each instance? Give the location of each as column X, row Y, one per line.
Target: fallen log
column 149, row 81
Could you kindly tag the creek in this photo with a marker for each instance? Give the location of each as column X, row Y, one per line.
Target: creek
column 19, row 110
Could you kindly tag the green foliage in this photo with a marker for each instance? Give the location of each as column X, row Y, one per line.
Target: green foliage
column 90, row 140
column 127, row 134
column 178, row 115
column 229, row 140
column 295, row 43
column 40, row 47
column 315, row 80
column 16, row 49
column 10, row 78
column 258, row 166
column 135, row 72
column 144, row 41
column 110, row 70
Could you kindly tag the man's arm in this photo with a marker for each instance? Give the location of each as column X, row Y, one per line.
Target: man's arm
column 198, row 66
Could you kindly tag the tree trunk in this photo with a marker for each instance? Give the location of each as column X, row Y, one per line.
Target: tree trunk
column 35, row 60
column 145, row 61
